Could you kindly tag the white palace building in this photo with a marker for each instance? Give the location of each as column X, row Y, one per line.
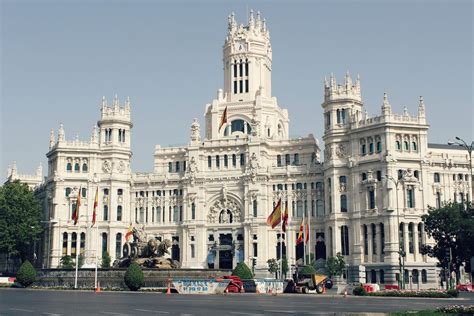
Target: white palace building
column 212, row 197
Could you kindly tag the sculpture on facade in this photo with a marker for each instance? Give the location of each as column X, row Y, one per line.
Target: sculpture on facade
column 149, row 254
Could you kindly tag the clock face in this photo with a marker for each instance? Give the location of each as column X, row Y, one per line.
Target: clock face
column 240, row 46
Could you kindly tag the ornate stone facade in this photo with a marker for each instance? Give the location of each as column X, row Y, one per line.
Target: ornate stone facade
column 211, row 198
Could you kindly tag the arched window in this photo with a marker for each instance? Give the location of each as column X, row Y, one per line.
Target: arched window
column 226, row 161
column 415, row 276
column 414, row 148
column 416, row 173
column 64, row 243
column 343, row 203
column 225, row 217
column 178, row 167
column 420, row 236
column 319, row 208
column 209, row 162
column 218, row 161
column 382, row 238
column 242, row 159
column 240, row 125
column 296, row 160
column 397, row 145
column 193, row 211
column 170, row 166
column 382, row 276
column 84, row 167
column 119, row 213
column 400, row 236
column 73, row 244
column 345, row 240
column 299, row 208
column 106, row 213
column 342, row 180
column 379, row 149
column 104, row 244
column 77, row 168
column 424, row 276
column 254, row 208
column 69, row 167
column 365, row 231
column 405, row 146
column 84, row 192
column 67, row 192
column 234, row 160
column 363, row 150
column 279, row 161
column 374, row 239
column 371, row 148
column 83, row 244
column 118, row 245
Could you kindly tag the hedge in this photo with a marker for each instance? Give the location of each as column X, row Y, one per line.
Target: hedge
column 432, row 294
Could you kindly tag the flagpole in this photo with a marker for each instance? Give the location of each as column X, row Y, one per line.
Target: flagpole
column 96, row 251
column 78, row 205
column 304, row 237
column 309, row 236
column 281, row 240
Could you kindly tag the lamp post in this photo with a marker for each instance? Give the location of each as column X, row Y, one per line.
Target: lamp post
column 401, row 253
column 50, row 222
column 460, row 142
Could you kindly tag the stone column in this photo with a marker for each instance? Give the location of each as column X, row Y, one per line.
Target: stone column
column 405, row 240
column 415, row 243
column 369, row 243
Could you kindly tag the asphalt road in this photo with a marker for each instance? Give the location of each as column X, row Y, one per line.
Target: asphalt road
column 50, row 302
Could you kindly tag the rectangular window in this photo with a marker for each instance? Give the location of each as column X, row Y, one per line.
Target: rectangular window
column 106, row 213
column 226, row 162
column 192, row 251
column 235, row 87
column 287, row 159
column 235, row 70
column 242, row 159
column 170, row 166
column 366, row 241
column 371, row 198
column 374, row 240
column 246, row 85
column 184, row 165
column 410, row 198
column 255, row 250
column 296, row 160
column 438, row 199
column 177, row 166
column 254, row 208
column 193, row 211
column 246, row 68
column 241, row 86
column 382, row 239
column 119, row 213
column 158, row 214
column 278, row 160
column 209, row 162
column 241, row 69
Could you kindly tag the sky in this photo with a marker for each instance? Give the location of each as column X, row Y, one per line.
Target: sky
column 58, row 58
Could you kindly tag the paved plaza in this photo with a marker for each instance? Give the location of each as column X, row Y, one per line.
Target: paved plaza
column 50, row 302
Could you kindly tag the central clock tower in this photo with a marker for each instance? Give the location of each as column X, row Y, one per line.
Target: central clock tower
column 247, row 59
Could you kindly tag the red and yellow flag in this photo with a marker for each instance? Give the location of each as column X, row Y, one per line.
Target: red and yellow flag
column 285, row 218
column 275, row 217
column 300, row 233
column 223, row 119
column 129, row 233
column 306, row 232
column 75, row 214
column 96, row 203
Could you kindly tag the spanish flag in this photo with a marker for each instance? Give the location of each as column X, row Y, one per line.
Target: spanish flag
column 96, row 202
column 285, row 218
column 75, row 214
column 300, row 233
column 223, row 119
column 129, row 233
column 275, row 217
column 306, row 232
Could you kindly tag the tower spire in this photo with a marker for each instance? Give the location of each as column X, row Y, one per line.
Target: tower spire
column 61, row 133
column 386, row 109
column 52, row 139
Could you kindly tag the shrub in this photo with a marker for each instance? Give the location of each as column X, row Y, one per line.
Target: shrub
column 359, row 291
column 66, row 262
column 105, row 260
column 453, row 293
column 432, row 294
column 307, row 270
column 26, row 275
column 134, row 277
column 457, row 309
column 242, row 271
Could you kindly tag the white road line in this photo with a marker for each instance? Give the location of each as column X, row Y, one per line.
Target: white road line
column 113, row 313
column 150, row 311
column 242, row 313
column 52, row 314
column 22, row 310
column 282, row 312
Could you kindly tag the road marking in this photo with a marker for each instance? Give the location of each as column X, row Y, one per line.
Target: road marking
column 112, row 313
column 283, row 312
column 52, row 314
column 22, row 310
column 242, row 313
column 150, row 311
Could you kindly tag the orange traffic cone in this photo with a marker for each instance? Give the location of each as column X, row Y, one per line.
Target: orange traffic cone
column 226, row 291
column 269, row 291
column 242, row 290
column 345, row 292
column 97, row 289
column 324, row 289
column 168, row 291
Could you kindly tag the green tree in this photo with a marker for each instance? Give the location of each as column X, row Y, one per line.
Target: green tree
column 335, row 265
column 242, row 271
column 66, row 262
column 20, row 220
column 105, row 260
column 134, row 277
column 26, row 275
column 452, row 228
column 273, row 266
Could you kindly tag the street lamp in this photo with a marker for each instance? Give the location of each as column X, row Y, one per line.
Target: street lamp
column 50, row 222
column 460, row 142
column 401, row 253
